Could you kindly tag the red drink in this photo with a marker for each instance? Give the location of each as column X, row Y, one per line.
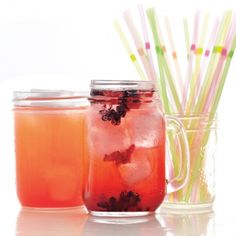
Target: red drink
column 126, row 134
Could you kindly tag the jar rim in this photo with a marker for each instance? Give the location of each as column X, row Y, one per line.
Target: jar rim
column 46, row 98
column 123, row 85
column 48, row 94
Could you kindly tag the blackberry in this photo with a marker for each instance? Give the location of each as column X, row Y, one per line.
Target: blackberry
column 130, row 93
column 108, row 114
column 131, row 199
column 121, row 110
column 115, row 118
column 96, row 92
column 127, row 201
column 112, row 115
column 125, row 100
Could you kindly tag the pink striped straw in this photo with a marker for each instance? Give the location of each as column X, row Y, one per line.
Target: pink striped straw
column 190, row 61
column 206, row 56
column 147, row 42
column 217, row 74
column 138, row 42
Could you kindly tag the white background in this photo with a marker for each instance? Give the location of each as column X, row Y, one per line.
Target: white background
column 64, row 44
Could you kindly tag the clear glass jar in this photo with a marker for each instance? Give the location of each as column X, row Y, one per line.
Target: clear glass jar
column 50, row 147
column 199, row 193
column 126, row 143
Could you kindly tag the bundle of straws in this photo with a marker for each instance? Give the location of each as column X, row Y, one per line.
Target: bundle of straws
column 198, row 89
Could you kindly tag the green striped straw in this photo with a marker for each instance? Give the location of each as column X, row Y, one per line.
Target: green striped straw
column 162, row 86
column 162, row 62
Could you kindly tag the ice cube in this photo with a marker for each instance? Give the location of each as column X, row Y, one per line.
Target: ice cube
column 104, row 137
column 138, row 169
column 146, row 127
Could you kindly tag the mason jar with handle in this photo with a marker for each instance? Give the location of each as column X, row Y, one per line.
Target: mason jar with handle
column 126, row 141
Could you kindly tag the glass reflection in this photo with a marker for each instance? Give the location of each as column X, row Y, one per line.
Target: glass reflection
column 53, row 223
column 139, row 226
column 186, row 223
column 76, row 222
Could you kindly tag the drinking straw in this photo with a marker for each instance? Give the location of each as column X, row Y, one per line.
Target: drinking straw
column 161, row 59
column 217, row 73
column 197, row 70
column 158, row 50
column 129, row 50
column 166, row 58
column 221, row 34
column 213, row 60
column 223, row 78
column 190, row 61
column 174, row 55
column 138, row 42
column 198, row 161
column 164, row 66
column 186, row 36
column 218, row 94
column 206, row 56
column 198, row 53
column 205, row 77
column 147, row 42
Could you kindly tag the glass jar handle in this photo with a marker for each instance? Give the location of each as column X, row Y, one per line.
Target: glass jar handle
column 180, row 165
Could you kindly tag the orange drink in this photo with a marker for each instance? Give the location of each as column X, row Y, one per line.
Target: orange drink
column 50, row 148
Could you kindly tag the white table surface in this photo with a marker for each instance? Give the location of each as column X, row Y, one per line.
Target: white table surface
column 17, row 221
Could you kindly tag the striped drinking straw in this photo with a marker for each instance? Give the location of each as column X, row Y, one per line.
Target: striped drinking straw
column 190, row 61
column 174, row 56
column 198, row 56
column 205, row 59
column 129, row 50
column 213, row 61
column 138, row 43
column 218, row 72
column 147, row 43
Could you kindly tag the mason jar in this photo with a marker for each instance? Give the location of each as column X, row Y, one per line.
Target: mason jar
column 50, row 147
column 199, row 192
column 126, row 149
